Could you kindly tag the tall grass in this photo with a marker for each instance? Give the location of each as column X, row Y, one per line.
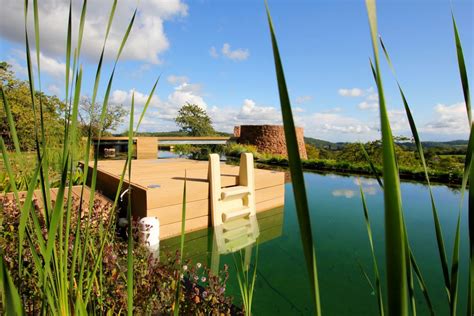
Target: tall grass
column 65, row 283
column 297, row 179
column 245, row 277
column 400, row 262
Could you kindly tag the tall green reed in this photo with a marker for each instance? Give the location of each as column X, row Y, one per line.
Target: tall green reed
column 294, row 160
column 245, row 278
column 401, row 264
column 378, row 286
column 65, row 283
column 468, row 172
column 395, row 235
column 450, row 278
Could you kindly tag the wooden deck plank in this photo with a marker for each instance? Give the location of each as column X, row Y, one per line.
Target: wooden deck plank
column 172, row 213
column 193, row 224
column 157, row 189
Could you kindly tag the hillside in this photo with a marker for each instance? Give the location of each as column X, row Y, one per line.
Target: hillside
column 323, row 144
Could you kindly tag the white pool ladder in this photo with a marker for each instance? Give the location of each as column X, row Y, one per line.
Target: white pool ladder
column 233, row 202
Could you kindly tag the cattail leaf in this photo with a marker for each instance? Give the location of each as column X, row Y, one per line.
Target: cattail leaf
column 296, row 171
column 13, row 304
column 419, row 147
column 378, row 287
column 129, row 214
column 462, row 70
column 371, row 164
column 396, row 263
column 10, row 120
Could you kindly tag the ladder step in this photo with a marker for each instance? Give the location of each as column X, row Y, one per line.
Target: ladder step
column 235, row 223
column 235, row 233
column 240, row 243
column 234, row 191
column 229, row 215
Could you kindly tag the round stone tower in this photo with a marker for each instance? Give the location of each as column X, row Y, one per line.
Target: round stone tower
column 268, row 138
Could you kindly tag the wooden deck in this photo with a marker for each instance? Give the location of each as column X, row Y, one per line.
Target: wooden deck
column 157, row 190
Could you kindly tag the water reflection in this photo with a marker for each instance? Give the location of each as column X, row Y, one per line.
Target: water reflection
column 232, row 236
column 343, row 192
column 369, row 186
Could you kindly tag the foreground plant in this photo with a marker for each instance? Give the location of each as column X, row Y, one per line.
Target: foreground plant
column 246, row 278
column 299, row 189
column 154, row 285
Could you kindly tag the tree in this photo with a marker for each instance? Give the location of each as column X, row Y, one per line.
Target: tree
column 18, row 95
column 90, row 116
column 312, row 152
column 194, row 121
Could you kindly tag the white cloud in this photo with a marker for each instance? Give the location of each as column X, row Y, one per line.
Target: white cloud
column 52, row 66
column 17, row 68
column 213, row 52
column 354, row 92
column 335, row 123
column 250, row 112
column 54, row 89
column 303, row 99
column 238, row 54
column 373, row 97
column 371, row 100
column 161, row 112
column 450, row 119
column 48, row 64
column 333, row 110
column 364, row 105
column 186, row 93
column 146, row 42
column 398, row 120
column 173, row 79
column 298, row 110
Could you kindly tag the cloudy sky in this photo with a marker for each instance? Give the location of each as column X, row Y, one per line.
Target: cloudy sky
column 217, row 54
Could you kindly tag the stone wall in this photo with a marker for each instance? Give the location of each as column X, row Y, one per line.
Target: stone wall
column 268, row 138
column 237, row 131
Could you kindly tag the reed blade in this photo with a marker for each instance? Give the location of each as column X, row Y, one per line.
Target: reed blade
column 378, row 286
column 462, row 70
column 468, row 173
column 296, row 171
column 470, row 299
column 11, row 122
column 421, row 283
column 148, row 102
column 181, row 248
column 371, row 164
column 396, row 255
column 419, row 147
column 129, row 214
column 13, row 304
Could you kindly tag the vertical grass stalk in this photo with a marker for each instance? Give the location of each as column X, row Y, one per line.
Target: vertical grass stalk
column 294, row 161
column 396, row 256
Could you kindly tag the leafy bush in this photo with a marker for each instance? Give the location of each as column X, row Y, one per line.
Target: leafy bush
column 234, row 149
column 311, row 151
column 155, row 282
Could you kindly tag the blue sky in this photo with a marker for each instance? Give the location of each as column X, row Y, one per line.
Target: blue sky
column 218, row 55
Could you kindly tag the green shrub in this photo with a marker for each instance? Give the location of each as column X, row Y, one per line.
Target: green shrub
column 235, row 149
column 154, row 282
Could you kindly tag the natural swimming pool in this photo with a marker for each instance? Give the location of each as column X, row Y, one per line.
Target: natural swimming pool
column 342, row 248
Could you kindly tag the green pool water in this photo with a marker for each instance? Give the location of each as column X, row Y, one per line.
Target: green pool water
column 342, row 248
